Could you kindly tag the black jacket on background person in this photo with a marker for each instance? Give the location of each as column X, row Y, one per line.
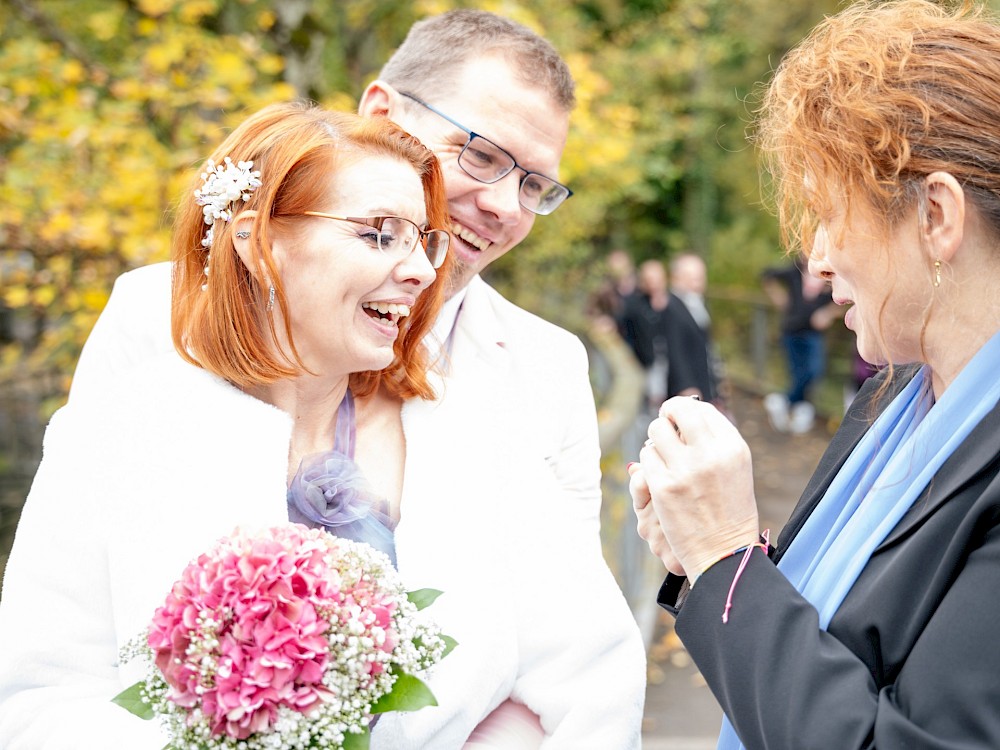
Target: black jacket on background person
column 691, row 360
column 910, row 659
column 796, row 316
column 643, row 328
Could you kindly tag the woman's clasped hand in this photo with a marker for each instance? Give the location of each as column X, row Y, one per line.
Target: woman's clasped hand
column 693, row 487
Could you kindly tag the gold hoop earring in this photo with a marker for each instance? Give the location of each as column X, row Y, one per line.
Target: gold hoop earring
column 937, row 273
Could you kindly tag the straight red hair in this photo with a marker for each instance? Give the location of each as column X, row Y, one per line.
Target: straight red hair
column 226, row 328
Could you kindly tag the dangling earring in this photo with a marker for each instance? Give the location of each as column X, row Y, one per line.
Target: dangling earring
column 270, row 298
column 937, row 273
column 204, row 285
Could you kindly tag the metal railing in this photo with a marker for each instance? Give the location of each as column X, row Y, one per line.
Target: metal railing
column 22, row 425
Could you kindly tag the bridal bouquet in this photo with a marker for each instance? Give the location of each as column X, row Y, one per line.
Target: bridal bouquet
column 291, row 638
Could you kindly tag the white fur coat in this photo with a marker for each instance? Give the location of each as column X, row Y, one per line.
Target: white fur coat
column 499, row 511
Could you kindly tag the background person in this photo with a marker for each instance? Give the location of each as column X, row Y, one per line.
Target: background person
column 644, row 326
column 515, row 417
column 694, row 362
column 621, row 272
column 860, row 372
column 806, row 312
column 621, row 282
column 607, row 302
column 873, row 623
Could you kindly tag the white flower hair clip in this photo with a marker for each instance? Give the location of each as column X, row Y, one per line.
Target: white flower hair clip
column 224, row 184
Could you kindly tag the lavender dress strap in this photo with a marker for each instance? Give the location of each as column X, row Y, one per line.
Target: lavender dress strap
column 329, row 491
column 343, row 438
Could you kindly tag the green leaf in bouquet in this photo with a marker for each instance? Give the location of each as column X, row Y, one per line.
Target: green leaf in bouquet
column 449, row 644
column 360, row 741
column 422, row 598
column 408, row 693
column 131, row 700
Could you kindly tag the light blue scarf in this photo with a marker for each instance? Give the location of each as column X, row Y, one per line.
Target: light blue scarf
column 886, row 472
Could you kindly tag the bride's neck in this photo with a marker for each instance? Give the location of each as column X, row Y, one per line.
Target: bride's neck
column 312, row 404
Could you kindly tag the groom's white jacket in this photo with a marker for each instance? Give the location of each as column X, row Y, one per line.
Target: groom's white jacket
column 500, row 511
column 515, row 431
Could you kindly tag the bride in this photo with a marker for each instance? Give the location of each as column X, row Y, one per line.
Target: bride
column 304, row 271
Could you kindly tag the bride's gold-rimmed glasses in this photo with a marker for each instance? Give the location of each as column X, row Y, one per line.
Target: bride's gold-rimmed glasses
column 396, row 236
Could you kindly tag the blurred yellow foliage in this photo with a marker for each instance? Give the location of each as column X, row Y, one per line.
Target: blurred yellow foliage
column 16, row 296
column 107, row 108
column 104, row 25
column 73, row 72
column 266, row 19
column 44, row 295
column 155, row 7
column 193, row 11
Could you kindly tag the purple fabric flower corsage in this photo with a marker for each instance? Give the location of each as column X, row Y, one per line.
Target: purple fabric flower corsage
column 329, row 491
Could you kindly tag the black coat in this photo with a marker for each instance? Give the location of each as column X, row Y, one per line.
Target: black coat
column 643, row 328
column 689, row 352
column 911, row 658
column 797, row 315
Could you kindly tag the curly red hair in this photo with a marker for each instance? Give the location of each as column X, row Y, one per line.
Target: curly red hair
column 875, row 98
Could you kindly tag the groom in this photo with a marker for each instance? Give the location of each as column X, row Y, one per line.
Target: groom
column 492, row 99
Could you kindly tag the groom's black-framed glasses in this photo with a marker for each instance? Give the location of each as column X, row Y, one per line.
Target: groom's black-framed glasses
column 485, row 161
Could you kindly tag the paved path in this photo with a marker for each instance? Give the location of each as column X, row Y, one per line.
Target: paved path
column 681, row 713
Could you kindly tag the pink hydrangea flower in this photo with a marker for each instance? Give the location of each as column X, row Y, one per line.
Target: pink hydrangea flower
column 246, row 630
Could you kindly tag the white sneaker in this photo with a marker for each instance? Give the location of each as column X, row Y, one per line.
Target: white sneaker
column 803, row 416
column 776, row 406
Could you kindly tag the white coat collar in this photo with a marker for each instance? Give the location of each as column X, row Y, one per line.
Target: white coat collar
column 479, row 331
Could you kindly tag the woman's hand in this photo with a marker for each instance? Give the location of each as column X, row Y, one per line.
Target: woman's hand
column 648, row 524
column 697, row 472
